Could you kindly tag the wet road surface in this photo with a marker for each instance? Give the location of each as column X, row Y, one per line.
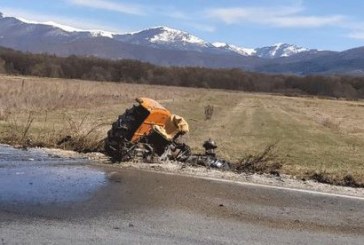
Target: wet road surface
column 47, row 200
column 36, row 178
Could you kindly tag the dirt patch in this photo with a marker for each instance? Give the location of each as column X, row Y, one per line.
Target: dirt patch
column 326, row 178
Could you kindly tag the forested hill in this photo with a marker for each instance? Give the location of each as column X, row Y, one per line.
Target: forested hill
column 43, row 65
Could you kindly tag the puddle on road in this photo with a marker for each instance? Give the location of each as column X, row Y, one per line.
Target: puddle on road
column 33, row 177
column 10, row 155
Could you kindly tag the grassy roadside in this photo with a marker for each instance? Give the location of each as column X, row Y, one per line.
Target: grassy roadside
column 316, row 138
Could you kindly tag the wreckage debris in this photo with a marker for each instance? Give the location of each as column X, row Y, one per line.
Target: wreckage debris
column 148, row 132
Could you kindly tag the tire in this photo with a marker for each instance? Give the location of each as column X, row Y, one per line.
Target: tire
column 118, row 142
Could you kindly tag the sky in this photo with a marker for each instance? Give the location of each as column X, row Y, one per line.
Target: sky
column 321, row 24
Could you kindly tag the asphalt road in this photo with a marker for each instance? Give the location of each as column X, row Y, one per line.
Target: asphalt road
column 138, row 207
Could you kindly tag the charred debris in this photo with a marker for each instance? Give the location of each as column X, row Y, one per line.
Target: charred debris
column 148, row 132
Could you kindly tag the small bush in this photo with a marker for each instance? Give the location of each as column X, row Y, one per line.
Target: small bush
column 209, row 111
column 18, row 130
column 82, row 135
column 263, row 162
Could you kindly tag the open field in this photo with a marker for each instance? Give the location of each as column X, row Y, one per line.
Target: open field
column 311, row 134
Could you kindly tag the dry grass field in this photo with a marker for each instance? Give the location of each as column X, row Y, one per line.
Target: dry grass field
column 312, row 135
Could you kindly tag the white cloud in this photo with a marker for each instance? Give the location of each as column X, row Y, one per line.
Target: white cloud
column 307, row 21
column 237, row 14
column 354, row 28
column 357, row 35
column 273, row 16
column 125, row 8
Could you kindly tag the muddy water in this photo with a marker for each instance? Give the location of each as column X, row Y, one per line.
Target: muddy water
column 33, row 177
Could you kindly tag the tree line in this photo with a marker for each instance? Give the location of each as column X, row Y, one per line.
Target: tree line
column 130, row 71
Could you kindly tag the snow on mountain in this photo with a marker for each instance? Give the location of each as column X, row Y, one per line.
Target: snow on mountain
column 166, row 34
column 51, row 23
column 235, row 49
column 243, row 51
column 94, row 33
column 280, row 50
column 275, row 51
column 220, row 45
column 98, row 33
column 164, row 37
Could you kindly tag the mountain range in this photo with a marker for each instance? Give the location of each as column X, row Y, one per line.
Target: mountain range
column 170, row 47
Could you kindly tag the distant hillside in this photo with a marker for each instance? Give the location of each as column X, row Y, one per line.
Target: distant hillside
column 73, row 67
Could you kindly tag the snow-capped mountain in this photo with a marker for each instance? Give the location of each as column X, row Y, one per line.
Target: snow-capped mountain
column 158, row 37
column 276, row 51
column 280, row 50
column 169, row 35
column 164, row 37
column 170, row 47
